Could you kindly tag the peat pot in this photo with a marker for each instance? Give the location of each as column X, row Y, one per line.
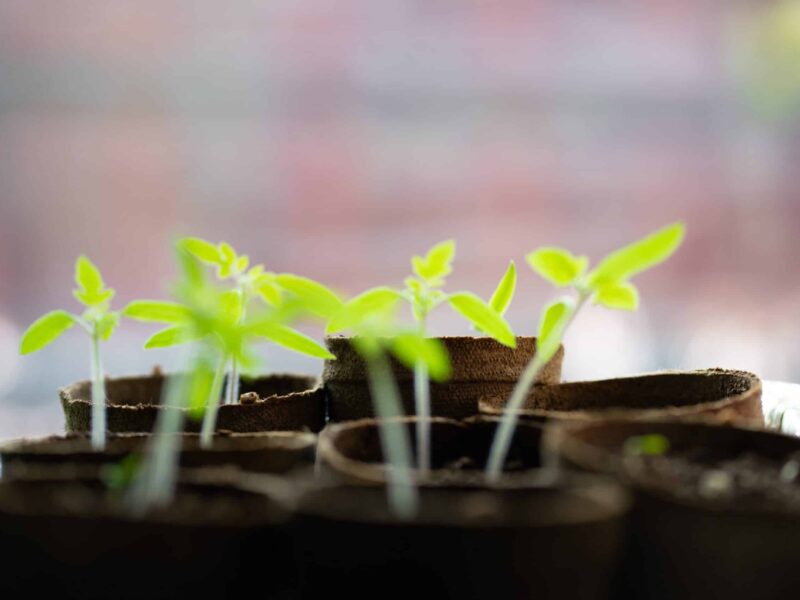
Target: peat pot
column 480, row 367
column 729, row 396
column 286, row 403
column 554, row 542
column 72, row 539
column 267, row 452
column 717, row 515
column 352, row 450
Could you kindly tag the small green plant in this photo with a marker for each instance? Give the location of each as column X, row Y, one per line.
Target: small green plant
column 371, row 316
column 231, row 322
column 97, row 319
column 651, row 444
column 607, row 285
column 423, row 292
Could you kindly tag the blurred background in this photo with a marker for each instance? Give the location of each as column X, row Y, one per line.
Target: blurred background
column 336, row 138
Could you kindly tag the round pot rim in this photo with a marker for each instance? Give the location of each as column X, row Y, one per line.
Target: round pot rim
column 489, row 408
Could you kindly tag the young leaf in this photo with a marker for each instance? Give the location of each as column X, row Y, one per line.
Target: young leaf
column 45, row 330
column 171, row 336
column 314, row 297
column 437, row 263
column 372, row 301
column 483, row 316
column 652, row 444
column 558, row 266
column 201, row 250
column 410, row 349
column 291, row 339
column 553, row 323
column 156, row 311
column 88, row 277
column 107, row 324
column 637, row 257
column 268, row 290
column 505, row 290
column 621, row 296
column 242, row 263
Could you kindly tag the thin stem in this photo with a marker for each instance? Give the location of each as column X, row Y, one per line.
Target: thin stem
column 233, row 383
column 98, row 395
column 403, row 497
column 505, row 433
column 423, row 405
column 212, row 406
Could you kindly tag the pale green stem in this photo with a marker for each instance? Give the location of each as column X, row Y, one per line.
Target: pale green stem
column 395, row 442
column 155, row 483
column 505, row 433
column 233, row 383
column 423, row 405
column 212, row 407
column 98, row 395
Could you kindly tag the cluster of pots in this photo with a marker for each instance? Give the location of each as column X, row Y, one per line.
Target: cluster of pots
column 290, row 500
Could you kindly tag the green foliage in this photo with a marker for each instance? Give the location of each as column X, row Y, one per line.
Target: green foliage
column 652, row 444
column 45, row 330
column 501, row 298
column 172, row 336
column 560, row 267
column 411, row 348
column 91, row 291
column 374, row 304
column 619, row 295
column 156, row 311
column 553, row 323
column 290, row 338
column 118, row 477
column 436, row 265
column 315, row 297
column 483, row 316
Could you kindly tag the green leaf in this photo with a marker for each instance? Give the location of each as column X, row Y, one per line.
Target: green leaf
column 651, row 444
column 242, row 263
column 45, row 330
column 172, row 336
column 552, row 326
column 313, row 296
column 230, row 305
column 505, row 290
column 201, row 384
column 91, row 289
column 363, row 306
column 107, row 324
column 437, row 263
column 156, row 311
column 291, row 339
column 118, row 477
column 620, row 296
column 411, row 348
column 201, row 250
column 483, row 316
column 556, row 265
column 637, row 257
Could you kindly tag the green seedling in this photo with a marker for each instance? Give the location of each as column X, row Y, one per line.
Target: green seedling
column 652, row 444
column 423, row 292
column 232, row 323
column 371, row 317
column 98, row 320
column 607, row 285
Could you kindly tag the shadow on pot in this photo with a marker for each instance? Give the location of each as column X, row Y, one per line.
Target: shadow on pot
column 480, row 367
column 724, row 395
column 717, row 514
column 286, row 403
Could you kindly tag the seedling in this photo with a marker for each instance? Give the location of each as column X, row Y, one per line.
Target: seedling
column 652, row 444
column 230, row 321
column 423, row 292
column 371, row 317
column 97, row 320
column 607, row 285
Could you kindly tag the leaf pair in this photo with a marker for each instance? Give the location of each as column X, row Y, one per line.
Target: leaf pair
column 222, row 255
column 608, row 283
column 436, row 264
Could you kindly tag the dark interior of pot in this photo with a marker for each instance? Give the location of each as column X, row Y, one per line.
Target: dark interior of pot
column 645, row 392
column 454, row 445
column 132, row 391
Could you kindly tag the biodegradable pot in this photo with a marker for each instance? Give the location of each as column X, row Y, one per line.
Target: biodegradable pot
column 459, row 450
column 267, row 452
column 693, row 538
column 287, row 403
column 729, row 396
column 480, row 367
column 550, row 543
column 72, row 540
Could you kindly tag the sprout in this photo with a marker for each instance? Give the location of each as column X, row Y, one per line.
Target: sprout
column 97, row 320
column 607, row 285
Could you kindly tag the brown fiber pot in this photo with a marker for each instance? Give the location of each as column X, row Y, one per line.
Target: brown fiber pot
column 71, row 539
column 685, row 545
column 459, row 450
column 288, row 403
column 267, row 452
column 729, row 396
column 480, row 367
column 556, row 542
